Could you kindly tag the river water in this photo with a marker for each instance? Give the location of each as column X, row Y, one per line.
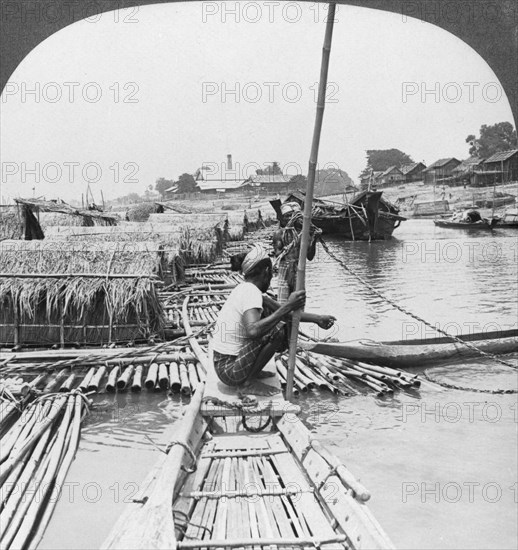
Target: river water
column 441, row 465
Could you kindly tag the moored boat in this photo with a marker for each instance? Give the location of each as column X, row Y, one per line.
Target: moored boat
column 509, row 219
column 469, row 219
column 366, row 217
column 418, row 352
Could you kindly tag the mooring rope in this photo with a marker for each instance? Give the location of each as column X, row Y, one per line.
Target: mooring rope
column 248, row 405
column 465, row 388
column 409, row 313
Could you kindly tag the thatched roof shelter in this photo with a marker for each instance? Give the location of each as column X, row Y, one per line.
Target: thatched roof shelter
column 57, row 291
column 141, row 212
column 36, row 214
column 187, row 240
column 11, row 223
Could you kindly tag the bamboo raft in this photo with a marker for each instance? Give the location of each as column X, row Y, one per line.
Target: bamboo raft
column 36, row 452
column 221, row 486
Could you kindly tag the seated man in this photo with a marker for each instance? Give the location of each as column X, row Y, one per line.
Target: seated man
column 243, row 341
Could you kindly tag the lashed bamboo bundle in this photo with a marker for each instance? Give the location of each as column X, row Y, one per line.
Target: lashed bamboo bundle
column 348, row 376
column 343, row 376
column 14, row 395
column 36, row 454
column 75, row 358
column 179, row 373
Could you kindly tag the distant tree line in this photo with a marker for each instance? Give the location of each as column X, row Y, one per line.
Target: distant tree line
column 186, row 184
column 492, row 139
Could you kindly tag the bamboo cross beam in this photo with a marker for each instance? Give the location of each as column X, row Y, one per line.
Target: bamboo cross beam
column 308, row 202
column 259, row 542
column 241, row 454
column 254, row 493
column 83, row 275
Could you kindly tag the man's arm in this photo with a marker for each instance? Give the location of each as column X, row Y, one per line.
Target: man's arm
column 323, row 321
column 255, row 327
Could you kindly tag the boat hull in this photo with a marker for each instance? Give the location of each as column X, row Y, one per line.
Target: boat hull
column 354, row 228
column 417, row 353
column 367, row 217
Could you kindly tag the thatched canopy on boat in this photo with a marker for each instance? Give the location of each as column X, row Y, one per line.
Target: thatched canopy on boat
column 37, row 214
column 101, row 284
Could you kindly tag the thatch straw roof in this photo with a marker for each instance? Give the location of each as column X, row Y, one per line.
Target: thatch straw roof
column 192, row 220
column 75, row 277
column 141, row 212
column 11, row 223
column 86, row 217
column 180, row 245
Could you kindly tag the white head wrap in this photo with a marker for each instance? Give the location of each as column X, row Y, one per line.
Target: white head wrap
column 256, row 254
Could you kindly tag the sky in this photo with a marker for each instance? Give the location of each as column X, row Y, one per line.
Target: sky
column 129, row 96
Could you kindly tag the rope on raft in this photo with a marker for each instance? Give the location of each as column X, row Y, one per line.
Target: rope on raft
column 409, row 313
column 247, row 405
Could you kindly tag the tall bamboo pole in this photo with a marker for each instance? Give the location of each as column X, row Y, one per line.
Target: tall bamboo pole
column 308, row 203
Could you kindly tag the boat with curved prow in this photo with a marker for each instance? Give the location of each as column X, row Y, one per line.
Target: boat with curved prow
column 419, row 352
column 368, row 216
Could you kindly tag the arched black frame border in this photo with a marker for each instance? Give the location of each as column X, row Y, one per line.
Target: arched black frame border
column 490, row 27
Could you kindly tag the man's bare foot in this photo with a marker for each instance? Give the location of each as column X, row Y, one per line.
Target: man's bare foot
column 263, row 374
column 254, row 387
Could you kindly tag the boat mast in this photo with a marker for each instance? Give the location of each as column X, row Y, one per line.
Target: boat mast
column 308, row 202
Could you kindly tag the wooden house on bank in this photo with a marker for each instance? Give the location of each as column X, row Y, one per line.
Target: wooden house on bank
column 466, row 172
column 391, row 176
column 413, row 172
column 440, row 171
column 83, row 293
column 269, row 183
column 501, row 167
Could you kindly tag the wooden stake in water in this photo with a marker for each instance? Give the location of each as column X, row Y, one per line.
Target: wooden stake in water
column 308, row 203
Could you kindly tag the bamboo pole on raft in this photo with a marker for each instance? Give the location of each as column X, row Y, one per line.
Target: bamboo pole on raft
column 308, row 202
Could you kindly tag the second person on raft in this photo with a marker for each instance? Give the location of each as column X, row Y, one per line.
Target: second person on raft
column 244, row 339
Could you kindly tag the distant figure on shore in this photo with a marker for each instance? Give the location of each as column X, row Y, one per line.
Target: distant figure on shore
column 244, row 337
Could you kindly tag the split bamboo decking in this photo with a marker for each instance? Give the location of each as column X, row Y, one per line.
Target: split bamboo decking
column 222, row 485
